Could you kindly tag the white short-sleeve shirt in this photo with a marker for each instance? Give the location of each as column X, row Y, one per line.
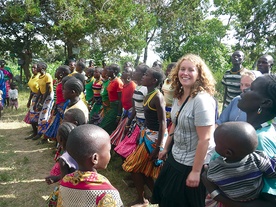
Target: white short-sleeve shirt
column 198, row 111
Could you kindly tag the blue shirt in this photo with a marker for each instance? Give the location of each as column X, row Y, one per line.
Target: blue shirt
column 232, row 112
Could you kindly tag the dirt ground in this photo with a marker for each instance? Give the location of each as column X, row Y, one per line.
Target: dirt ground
column 23, row 166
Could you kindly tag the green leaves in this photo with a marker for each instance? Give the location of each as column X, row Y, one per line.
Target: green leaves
column 114, row 26
column 254, row 23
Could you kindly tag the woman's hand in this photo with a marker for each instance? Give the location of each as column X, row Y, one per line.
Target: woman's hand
column 163, row 155
column 193, row 179
column 154, row 154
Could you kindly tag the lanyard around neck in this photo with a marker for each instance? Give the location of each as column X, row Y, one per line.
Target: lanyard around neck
column 177, row 115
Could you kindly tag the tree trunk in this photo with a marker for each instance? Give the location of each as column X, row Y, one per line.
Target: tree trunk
column 27, row 58
column 137, row 60
column 146, row 54
column 69, row 46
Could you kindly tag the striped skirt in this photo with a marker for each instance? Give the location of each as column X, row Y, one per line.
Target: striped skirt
column 139, row 161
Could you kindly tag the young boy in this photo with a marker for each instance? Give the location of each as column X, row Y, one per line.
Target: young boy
column 13, row 96
column 238, row 164
column 90, row 146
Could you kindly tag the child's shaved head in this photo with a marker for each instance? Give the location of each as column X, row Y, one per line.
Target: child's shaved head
column 75, row 116
column 235, row 139
column 87, row 143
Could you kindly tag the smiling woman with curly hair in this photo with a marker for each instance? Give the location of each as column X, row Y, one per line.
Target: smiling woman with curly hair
column 191, row 135
column 205, row 81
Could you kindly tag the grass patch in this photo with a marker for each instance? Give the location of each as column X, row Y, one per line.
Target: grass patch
column 6, row 176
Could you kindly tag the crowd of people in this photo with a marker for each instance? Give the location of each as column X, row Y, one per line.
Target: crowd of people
column 165, row 126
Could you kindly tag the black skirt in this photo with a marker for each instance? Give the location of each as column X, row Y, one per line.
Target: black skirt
column 170, row 188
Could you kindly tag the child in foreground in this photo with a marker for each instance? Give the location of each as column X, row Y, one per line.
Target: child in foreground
column 90, row 146
column 238, row 164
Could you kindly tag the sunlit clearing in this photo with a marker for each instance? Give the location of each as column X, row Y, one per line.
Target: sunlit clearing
column 8, row 196
column 6, row 168
column 22, row 181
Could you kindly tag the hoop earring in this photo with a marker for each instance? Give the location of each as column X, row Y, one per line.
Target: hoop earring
column 259, row 110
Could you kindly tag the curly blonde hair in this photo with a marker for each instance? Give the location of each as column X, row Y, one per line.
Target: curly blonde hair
column 205, row 82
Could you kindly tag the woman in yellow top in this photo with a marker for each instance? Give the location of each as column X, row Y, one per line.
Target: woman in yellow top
column 44, row 101
column 32, row 115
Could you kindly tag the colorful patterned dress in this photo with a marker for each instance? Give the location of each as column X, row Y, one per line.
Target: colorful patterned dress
column 45, row 112
column 87, row 189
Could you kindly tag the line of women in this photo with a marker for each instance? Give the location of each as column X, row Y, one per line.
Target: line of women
column 40, row 100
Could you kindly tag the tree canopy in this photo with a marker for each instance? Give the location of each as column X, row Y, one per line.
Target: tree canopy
column 105, row 29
